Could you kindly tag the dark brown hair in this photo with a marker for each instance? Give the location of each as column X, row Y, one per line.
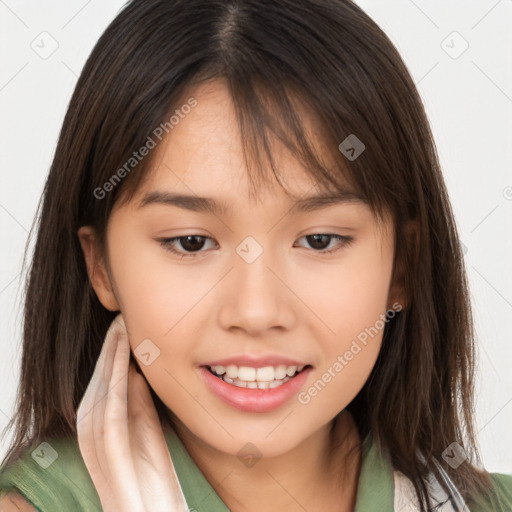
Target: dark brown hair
column 330, row 57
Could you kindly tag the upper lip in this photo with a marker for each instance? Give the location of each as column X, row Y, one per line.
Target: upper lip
column 256, row 361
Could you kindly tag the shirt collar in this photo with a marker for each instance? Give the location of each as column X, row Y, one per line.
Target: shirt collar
column 198, row 492
column 374, row 489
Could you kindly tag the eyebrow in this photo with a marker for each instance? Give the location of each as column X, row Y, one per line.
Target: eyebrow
column 208, row 204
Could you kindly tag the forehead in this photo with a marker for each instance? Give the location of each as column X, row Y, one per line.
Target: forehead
column 204, row 151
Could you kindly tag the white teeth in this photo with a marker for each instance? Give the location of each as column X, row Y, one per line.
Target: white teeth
column 219, row 370
column 246, row 373
column 280, row 372
column 232, row 371
column 290, row 370
column 263, row 374
column 262, row 378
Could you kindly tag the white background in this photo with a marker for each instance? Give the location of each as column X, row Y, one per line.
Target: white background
column 468, row 100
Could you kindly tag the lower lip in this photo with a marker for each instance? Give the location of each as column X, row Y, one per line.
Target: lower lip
column 254, row 400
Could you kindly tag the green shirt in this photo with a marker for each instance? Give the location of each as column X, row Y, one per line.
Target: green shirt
column 54, row 478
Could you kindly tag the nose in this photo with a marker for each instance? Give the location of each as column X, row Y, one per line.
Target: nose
column 256, row 298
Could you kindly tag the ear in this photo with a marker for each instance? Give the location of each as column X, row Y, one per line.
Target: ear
column 96, row 268
column 398, row 292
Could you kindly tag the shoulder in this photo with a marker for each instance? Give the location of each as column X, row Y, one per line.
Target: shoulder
column 50, row 476
column 503, row 486
column 14, row 502
column 501, row 495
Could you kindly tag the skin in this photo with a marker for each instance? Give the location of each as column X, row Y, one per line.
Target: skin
column 120, row 436
column 14, row 502
column 292, row 300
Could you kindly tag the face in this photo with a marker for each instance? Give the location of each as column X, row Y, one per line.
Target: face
column 253, row 284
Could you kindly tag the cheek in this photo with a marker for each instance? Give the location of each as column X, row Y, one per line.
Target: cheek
column 154, row 301
column 154, row 295
column 348, row 294
column 348, row 355
column 338, row 383
column 358, row 320
column 164, row 304
column 351, row 301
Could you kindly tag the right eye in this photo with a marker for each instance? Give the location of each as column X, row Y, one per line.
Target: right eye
column 192, row 243
column 343, row 241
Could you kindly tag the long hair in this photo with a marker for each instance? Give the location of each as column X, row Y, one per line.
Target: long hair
column 326, row 56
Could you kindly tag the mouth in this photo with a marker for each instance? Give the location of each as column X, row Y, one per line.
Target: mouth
column 266, row 377
column 255, row 389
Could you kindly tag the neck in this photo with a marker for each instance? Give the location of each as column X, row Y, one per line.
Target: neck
column 320, row 471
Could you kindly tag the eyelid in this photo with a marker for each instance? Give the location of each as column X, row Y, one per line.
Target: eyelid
column 344, row 241
column 167, row 243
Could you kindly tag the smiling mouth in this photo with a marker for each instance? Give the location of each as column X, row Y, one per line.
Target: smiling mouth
column 267, row 377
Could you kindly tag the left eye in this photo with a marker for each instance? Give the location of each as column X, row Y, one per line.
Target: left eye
column 317, row 240
column 194, row 243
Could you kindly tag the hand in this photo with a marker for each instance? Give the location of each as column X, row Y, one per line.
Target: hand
column 120, row 435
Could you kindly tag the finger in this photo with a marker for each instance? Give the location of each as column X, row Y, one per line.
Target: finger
column 116, row 435
column 90, row 396
column 159, row 484
column 91, row 401
column 91, row 412
column 104, row 382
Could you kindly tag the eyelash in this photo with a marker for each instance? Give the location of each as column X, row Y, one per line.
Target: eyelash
column 167, row 244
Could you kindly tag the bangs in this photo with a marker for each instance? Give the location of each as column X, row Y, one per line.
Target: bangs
column 297, row 82
column 271, row 115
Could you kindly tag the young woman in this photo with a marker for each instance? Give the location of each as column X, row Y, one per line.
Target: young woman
column 247, row 291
